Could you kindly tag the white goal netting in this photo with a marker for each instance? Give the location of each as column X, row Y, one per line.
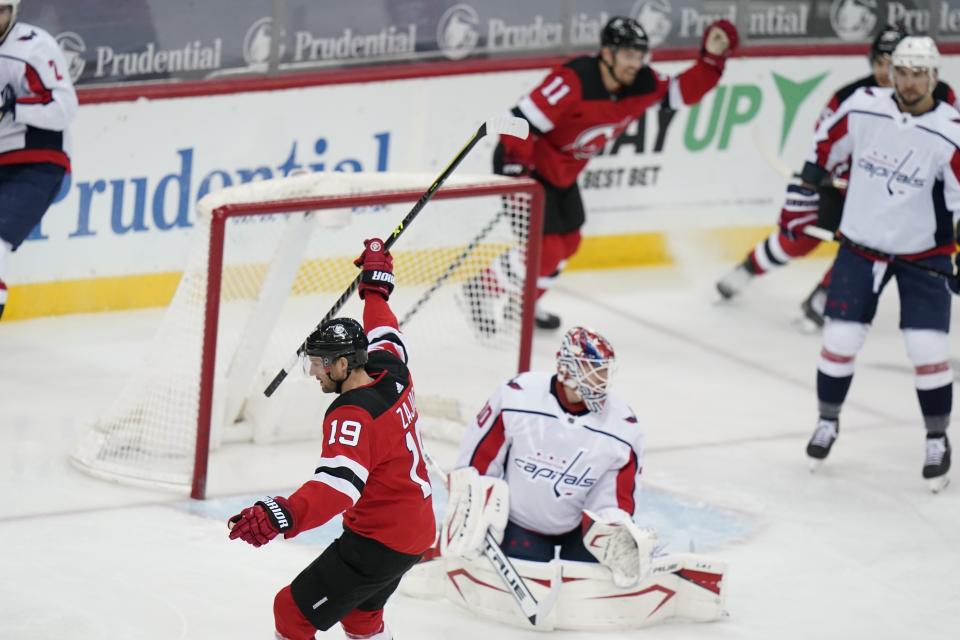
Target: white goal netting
column 281, row 272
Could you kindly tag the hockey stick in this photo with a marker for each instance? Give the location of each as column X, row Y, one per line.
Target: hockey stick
column 501, row 563
column 506, row 125
column 470, row 248
column 777, row 164
column 829, row 236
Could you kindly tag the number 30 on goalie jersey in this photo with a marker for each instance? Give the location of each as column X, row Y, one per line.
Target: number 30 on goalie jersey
column 372, row 463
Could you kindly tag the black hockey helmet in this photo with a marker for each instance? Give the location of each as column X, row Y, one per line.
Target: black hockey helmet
column 886, row 41
column 624, row 33
column 339, row 337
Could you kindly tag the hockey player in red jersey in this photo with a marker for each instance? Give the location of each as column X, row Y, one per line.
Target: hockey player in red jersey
column 371, row 469
column 577, row 109
column 824, row 206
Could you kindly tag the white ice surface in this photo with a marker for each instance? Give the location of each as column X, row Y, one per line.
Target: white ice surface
column 861, row 549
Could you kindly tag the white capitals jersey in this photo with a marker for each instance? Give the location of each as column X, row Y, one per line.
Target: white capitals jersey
column 555, row 463
column 32, row 64
column 904, row 171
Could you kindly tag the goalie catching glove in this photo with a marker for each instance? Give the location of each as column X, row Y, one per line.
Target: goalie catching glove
column 621, row 546
column 477, row 504
column 259, row 524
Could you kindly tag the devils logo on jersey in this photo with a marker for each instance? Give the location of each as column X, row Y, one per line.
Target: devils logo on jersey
column 591, row 142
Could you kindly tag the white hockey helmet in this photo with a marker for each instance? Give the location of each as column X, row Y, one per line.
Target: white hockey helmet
column 15, row 9
column 585, row 363
column 917, row 52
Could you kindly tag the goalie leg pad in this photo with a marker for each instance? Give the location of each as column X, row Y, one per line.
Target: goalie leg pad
column 686, row 586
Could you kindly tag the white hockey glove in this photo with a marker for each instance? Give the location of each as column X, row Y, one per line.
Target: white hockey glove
column 622, row 547
column 477, row 504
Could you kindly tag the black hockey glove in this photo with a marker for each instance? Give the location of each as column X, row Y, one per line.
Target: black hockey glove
column 8, row 102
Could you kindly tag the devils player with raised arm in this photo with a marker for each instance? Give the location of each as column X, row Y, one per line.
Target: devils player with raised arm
column 371, row 469
column 578, row 108
column 567, row 456
column 804, row 207
column 903, row 149
column 37, row 104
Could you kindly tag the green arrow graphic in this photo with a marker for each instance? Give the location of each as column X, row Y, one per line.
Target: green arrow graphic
column 793, row 94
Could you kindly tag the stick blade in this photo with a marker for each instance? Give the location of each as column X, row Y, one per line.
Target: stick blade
column 509, row 126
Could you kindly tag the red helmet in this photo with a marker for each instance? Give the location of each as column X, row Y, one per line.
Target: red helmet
column 585, row 363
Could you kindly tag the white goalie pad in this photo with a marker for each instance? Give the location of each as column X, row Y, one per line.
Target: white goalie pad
column 578, row 595
column 621, row 546
column 476, row 504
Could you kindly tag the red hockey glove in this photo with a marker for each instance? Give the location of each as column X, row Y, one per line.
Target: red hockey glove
column 719, row 41
column 259, row 524
column 377, row 265
column 511, row 159
column 799, row 210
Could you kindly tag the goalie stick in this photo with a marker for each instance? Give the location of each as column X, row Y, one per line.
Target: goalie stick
column 506, row 125
column 824, row 234
column 501, row 563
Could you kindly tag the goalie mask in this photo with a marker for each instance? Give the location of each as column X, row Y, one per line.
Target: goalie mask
column 339, row 338
column 14, row 10
column 585, row 363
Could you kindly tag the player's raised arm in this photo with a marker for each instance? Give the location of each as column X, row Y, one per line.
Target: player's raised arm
column 719, row 41
column 376, row 285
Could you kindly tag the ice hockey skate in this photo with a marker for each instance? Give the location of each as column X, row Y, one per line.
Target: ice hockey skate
column 478, row 303
column 815, row 304
column 545, row 320
column 734, row 282
column 823, row 438
column 937, row 463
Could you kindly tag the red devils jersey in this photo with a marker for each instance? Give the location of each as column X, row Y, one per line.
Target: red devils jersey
column 573, row 116
column 371, row 466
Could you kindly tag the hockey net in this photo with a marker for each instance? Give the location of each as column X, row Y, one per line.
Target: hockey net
column 268, row 259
